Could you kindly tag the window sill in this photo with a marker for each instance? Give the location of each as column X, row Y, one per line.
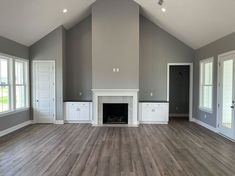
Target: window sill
column 3, row 114
column 206, row 110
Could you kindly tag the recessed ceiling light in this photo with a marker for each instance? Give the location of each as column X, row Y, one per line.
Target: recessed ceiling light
column 163, row 9
column 65, row 10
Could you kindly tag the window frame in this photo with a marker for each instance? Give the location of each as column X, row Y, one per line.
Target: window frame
column 202, row 84
column 25, row 82
column 12, row 85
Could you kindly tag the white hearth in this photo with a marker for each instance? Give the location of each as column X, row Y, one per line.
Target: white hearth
column 101, row 96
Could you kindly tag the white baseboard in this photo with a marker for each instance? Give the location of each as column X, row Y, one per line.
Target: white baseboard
column 59, row 122
column 77, row 121
column 147, row 122
column 14, row 128
column 205, row 125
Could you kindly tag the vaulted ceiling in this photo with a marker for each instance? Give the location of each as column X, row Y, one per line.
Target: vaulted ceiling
column 194, row 22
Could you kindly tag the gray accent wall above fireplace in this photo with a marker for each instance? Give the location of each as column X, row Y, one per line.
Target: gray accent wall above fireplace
column 115, row 44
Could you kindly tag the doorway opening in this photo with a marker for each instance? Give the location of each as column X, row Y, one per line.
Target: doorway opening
column 179, row 91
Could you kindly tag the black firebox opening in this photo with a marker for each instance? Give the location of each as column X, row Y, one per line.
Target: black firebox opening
column 115, row 113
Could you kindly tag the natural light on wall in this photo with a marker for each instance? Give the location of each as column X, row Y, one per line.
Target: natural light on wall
column 206, row 84
column 13, row 89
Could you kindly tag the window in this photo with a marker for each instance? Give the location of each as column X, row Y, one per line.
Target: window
column 13, row 84
column 4, row 85
column 20, row 84
column 206, row 84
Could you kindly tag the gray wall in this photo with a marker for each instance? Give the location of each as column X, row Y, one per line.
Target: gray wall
column 212, row 50
column 15, row 49
column 179, row 89
column 51, row 47
column 115, row 44
column 157, row 48
column 79, row 61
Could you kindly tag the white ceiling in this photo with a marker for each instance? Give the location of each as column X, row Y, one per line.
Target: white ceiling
column 194, row 22
column 26, row 21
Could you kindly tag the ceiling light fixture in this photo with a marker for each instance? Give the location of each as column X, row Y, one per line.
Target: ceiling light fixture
column 163, row 9
column 160, row 2
column 65, row 10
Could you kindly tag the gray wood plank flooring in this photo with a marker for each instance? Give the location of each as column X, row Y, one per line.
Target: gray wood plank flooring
column 180, row 149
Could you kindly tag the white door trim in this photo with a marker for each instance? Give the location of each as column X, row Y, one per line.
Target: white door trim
column 33, row 86
column 190, row 86
column 220, row 57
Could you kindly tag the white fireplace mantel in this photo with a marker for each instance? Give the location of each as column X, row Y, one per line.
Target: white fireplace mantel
column 112, row 93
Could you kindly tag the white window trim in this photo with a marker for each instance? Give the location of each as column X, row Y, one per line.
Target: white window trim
column 11, row 83
column 204, row 61
column 26, row 82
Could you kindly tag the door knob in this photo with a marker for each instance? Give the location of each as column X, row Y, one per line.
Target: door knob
column 37, row 100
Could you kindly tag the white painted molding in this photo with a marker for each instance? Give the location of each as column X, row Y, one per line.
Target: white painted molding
column 190, row 87
column 77, row 121
column 209, row 127
column 153, row 123
column 59, row 122
column 14, row 128
column 115, row 92
column 213, row 129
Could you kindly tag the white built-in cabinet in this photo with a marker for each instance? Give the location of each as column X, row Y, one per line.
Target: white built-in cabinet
column 154, row 112
column 149, row 112
column 78, row 112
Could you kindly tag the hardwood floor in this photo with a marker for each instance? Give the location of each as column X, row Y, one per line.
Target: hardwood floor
column 180, row 148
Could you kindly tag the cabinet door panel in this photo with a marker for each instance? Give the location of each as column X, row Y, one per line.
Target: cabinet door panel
column 84, row 113
column 73, row 113
column 146, row 109
column 162, row 112
column 154, row 112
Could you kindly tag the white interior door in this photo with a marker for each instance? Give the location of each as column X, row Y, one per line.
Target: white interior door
column 44, row 91
column 226, row 95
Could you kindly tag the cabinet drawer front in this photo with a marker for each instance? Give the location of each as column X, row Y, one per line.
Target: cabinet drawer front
column 77, row 104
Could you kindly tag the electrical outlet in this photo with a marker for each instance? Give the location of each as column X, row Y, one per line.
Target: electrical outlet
column 205, row 116
column 80, row 93
column 151, row 94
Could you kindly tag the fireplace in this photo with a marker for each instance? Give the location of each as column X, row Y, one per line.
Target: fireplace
column 115, row 96
column 115, row 113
